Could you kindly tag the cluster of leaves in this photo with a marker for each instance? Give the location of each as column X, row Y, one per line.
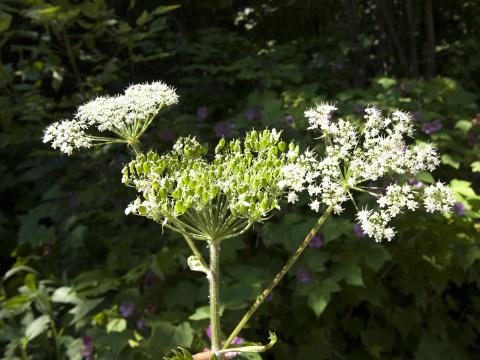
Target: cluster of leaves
column 84, row 279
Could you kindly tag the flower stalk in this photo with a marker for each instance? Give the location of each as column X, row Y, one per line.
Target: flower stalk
column 293, row 259
column 214, row 280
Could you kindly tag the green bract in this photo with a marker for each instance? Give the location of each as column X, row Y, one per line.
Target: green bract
column 212, row 199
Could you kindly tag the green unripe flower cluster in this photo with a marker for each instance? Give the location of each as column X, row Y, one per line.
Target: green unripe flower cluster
column 241, row 182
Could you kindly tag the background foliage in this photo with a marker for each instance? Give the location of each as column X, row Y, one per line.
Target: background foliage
column 84, row 281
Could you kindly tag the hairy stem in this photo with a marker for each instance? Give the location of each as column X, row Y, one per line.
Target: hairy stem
column 261, row 298
column 214, row 277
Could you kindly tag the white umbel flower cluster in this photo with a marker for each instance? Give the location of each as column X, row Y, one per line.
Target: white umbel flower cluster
column 126, row 116
column 67, row 135
column 359, row 153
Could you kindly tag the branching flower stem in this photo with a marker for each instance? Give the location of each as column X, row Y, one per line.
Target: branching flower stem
column 261, row 298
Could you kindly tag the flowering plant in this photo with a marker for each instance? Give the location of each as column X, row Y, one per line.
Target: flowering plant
column 214, row 197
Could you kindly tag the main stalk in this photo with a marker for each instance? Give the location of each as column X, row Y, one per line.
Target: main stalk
column 214, row 278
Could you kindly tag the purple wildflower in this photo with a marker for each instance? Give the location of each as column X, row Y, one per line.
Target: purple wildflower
column 360, row 109
column 126, row 309
column 288, row 120
column 269, row 297
column 140, row 323
column 150, row 308
column 202, row 112
column 472, row 139
column 415, row 182
column 430, row 128
column 337, row 66
column 459, row 208
column 223, row 129
column 417, row 116
column 236, row 341
column 150, row 280
column 317, row 241
column 87, row 347
column 357, row 229
column 253, row 114
column 166, row 135
column 208, row 331
column 303, row 275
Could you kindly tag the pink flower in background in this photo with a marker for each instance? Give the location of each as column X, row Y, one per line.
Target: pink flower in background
column 317, row 241
column 87, row 351
column 459, row 208
column 223, row 129
column 472, row 139
column 253, row 114
column 415, row 182
column 202, row 113
column 126, row 310
column 166, row 135
column 303, row 275
column 432, row 127
column 357, row 229
column 288, row 120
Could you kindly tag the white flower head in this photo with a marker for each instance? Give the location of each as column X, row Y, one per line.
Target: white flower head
column 319, row 117
column 438, row 198
column 126, row 116
column 67, row 135
column 356, row 154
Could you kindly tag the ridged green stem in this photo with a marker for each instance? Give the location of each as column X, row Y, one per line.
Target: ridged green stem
column 261, row 298
column 214, row 278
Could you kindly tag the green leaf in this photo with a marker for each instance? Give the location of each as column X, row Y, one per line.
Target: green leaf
column 463, row 188
column 5, row 21
column 449, row 160
column 143, row 18
column 37, row 327
column 386, row 82
column 116, row 325
column 164, row 9
column 203, row 313
column 475, row 166
column 320, row 296
column 180, row 354
column 166, row 336
column 65, row 295
column 183, row 294
column 464, row 126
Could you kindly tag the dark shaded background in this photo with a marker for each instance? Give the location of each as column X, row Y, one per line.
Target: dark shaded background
column 236, row 65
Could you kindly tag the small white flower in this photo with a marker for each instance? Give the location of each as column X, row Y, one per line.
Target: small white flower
column 438, row 198
column 292, row 197
column 315, row 205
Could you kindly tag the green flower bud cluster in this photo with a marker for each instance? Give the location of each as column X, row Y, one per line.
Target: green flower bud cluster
column 212, row 199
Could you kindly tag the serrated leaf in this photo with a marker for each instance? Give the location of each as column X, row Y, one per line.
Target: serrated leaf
column 180, row 354
column 37, row 327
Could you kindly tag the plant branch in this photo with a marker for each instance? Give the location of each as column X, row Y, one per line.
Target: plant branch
column 261, row 298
